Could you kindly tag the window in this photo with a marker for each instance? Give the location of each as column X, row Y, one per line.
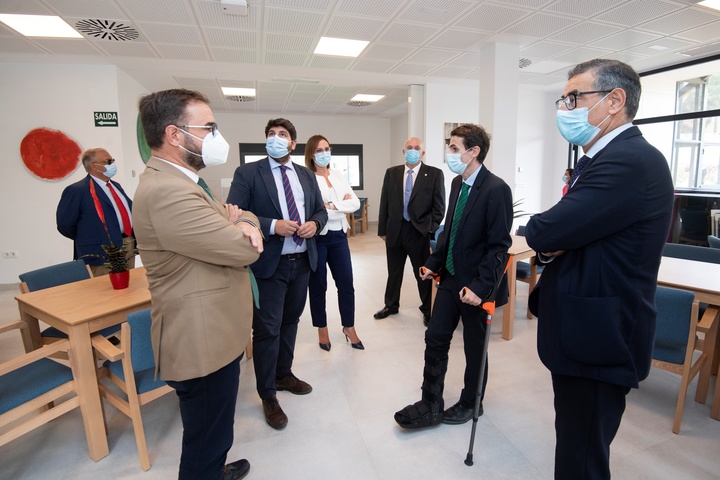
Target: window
column 679, row 114
column 346, row 158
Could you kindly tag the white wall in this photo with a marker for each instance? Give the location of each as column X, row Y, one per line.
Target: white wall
column 373, row 133
column 60, row 97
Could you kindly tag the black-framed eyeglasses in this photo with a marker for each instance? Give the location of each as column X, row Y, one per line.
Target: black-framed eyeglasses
column 570, row 101
column 213, row 128
column 109, row 161
column 321, row 150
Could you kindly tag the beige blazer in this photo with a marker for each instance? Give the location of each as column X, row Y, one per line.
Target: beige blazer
column 195, row 260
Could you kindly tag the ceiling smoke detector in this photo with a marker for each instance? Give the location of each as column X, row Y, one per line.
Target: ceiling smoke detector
column 239, row 98
column 107, row 30
column 524, row 62
column 359, row 103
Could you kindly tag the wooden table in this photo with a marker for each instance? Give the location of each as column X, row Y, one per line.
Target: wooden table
column 518, row 251
column 79, row 309
column 703, row 279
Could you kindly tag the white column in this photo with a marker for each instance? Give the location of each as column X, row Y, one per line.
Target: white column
column 416, row 111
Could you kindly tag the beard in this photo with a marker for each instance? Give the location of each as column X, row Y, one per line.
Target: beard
column 193, row 159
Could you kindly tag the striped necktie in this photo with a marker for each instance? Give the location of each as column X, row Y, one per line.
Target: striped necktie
column 290, row 199
column 462, row 200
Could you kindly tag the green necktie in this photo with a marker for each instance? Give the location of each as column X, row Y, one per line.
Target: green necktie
column 254, row 288
column 462, row 200
column 205, row 187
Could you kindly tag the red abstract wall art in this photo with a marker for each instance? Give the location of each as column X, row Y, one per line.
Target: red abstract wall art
column 50, row 154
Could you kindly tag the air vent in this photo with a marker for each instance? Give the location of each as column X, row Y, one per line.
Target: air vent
column 107, row 30
column 359, row 103
column 239, row 98
column 524, row 62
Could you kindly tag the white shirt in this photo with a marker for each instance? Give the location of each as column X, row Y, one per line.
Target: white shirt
column 289, row 245
column 103, row 184
column 336, row 218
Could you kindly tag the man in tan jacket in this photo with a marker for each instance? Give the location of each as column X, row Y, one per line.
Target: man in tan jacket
column 195, row 250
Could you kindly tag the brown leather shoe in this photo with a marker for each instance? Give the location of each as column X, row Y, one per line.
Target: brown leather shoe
column 236, row 470
column 293, row 384
column 274, row 415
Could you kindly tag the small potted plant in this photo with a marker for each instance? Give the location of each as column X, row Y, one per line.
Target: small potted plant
column 116, row 262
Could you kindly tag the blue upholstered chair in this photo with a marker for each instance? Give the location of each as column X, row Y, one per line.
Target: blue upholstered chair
column 28, row 383
column 713, row 241
column 131, row 367
column 436, row 237
column 692, row 252
column 527, row 272
column 53, row 276
column 676, row 341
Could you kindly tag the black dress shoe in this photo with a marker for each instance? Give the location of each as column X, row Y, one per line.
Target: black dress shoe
column 426, row 319
column 274, row 415
column 236, row 470
column 458, row 414
column 385, row 312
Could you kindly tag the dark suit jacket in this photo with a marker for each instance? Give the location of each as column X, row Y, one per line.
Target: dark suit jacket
column 483, row 234
column 596, row 302
column 426, row 207
column 78, row 220
column 253, row 189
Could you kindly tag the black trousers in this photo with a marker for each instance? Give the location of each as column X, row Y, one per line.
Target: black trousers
column 446, row 314
column 587, row 417
column 207, row 409
column 415, row 245
column 275, row 323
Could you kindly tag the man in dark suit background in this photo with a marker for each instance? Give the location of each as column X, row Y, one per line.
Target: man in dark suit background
column 78, row 218
column 287, row 201
column 603, row 241
column 412, row 205
column 470, row 250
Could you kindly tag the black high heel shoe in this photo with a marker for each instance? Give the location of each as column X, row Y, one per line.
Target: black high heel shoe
column 358, row 345
column 325, row 346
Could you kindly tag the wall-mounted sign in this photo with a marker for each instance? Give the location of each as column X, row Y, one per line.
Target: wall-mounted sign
column 106, row 119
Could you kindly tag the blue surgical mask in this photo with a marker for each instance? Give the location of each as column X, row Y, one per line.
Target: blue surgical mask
column 322, row 159
column 110, row 170
column 276, row 147
column 412, row 156
column 574, row 126
column 565, row 178
column 455, row 163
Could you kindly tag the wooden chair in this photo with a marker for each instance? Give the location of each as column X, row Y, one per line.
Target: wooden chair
column 131, row 367
column 527, row 272
column 31, row 388
column 676, row 341
column 359, row 216
column 53, row 276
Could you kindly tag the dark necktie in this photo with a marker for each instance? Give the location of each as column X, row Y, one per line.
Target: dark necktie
column 579, row 168
column 127, row 226
column 462, row 200
column 408, row 192
column 205, row 187
column 290, row 199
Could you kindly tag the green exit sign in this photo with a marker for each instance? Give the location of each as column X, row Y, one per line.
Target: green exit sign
column 106, row 119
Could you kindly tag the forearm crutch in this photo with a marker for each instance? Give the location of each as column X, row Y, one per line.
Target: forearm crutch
column 504, row 261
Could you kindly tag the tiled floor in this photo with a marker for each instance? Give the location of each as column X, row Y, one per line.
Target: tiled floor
column 345, row 429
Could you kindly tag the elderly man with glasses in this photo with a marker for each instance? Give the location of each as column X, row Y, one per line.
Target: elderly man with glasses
column 96, row 211
column 601, row 245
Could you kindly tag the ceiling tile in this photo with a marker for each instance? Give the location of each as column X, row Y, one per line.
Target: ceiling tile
column 234, row 55
column 679, row 21
column 221, row 37
column 161, row 11
column 275, row 86
column 582, row 54
column 585, row 32
column 288, row 59
column 210, row 15
column 126, row 49
column 432, row 56
column 304, row 4
column 289, row 43
column 379, row 51
column 491, row 18
column 524, row 3
column 582, row 9
column 540, row 25
column 669, row 43
column 438, row 12
column 19, row 45
column 544, row 49
column 324, row 61
column 162, row 33
column 408, row 34
column 373, row 66
column 85, row 9
column 467, row 60
column 67, row 46
column 624, row 57
column 638, row 11
column 192, row 83
column 182, row 52
column 625, row 39
column 451, row 72
column 354, row 28
column 457, row 39
column 292, row 21
column 370, row 8
column 705, row 33
column 411, row 69
column 25, row 7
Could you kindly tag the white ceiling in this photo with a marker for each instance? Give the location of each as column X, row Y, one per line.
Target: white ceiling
column 192, row 44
